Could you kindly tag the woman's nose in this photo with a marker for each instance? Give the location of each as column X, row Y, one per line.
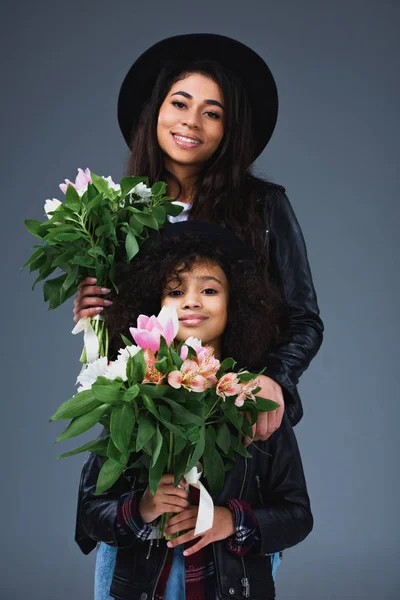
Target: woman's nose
column 190, row 120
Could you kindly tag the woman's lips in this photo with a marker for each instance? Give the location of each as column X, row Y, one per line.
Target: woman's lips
column 192, row 321
column 185, row 142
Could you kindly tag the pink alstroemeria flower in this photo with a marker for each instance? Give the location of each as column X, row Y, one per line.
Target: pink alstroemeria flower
column 149, row 329
column 246, row 392
column 209, row 365
column 228, row 385
column 152, row 374
column 188, row 377
column 81, row 182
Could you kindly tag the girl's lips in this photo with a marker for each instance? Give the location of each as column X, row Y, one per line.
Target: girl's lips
column 185, row 142
column 191, row 321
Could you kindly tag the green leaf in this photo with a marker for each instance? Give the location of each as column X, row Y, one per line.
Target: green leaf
column 149, row 404
column 244, row 377
column 83, row 260
column 181, row 415
column 136, row 367
column 198, row 450
column 147, row 219
column 160, row 214
column 157, row 444
column 135, row 225
column 179, row 444
column 37, row 254
column 213, row 465
column 172, row 209
column 154, row 391
column 52, row 289
column 127, row 183
column 131, row 245
column 121, row 426
column 180, row 464
column 106, row 392
column 96, row 251
column 72, row 198
column 239, row 447
column 100, row 183
column 265, row 405
column 131, row 393
column 126, row 341
column 98, row 446
column 158, row 468
column 109, row 473
column 146, row 430
column 83, row 423
column 226, row 365
column 80, row 404
column 33, row 227
column 159, row 188
column 176, row 358
column 224, row 438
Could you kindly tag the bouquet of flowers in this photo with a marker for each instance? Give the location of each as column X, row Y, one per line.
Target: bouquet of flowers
column 99, row 222
column 165, row 407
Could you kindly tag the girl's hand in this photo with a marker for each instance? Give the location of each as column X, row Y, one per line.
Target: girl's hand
column 223, row 527
column 268, row 422
column 167, row 498
column 87, row 303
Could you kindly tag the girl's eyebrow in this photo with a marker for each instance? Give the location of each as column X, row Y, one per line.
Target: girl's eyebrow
column 189, row 97
column 208, row 277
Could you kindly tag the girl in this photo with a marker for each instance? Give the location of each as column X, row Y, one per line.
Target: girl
column 221, row 296
column 199, row 122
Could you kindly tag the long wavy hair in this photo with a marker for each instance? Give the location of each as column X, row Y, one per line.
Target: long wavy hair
column 253, row 309
column 226, row 191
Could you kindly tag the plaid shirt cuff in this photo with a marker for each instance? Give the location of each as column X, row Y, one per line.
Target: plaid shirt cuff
column 129, row 523
column 246, row 527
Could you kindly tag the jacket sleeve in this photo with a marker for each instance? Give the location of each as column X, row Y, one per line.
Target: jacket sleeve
column 285, row 519
column 302, row 327
column 105, row 517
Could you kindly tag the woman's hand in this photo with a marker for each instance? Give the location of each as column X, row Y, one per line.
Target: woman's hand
column 268, row 422
column 167, row 499
column 87, row 303
column 223, row 527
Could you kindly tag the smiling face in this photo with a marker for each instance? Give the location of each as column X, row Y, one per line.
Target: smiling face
column 190, row 123
column 200, row 296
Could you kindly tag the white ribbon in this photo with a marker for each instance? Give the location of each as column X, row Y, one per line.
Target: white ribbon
column 90, row 339
column 205, row 515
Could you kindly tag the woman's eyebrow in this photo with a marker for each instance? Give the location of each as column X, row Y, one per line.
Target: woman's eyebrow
column 189, row 97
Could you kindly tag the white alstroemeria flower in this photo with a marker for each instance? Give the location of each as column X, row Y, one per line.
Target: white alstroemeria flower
column 142, row 191
column 128, row 351
column 193, row 342
column 88, row 376
column 111, row 184
column 90, row 338
column 50, row 206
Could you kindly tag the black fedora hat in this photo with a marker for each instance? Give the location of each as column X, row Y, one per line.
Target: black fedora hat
column 231, row 54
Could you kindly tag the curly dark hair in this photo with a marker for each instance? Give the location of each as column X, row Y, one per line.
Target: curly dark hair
column 254, row 304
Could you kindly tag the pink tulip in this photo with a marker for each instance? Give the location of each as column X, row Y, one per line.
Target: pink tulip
column 188, row 377
column 149, row 329
column 81, row 182
column 184, row 352
column 228, row 385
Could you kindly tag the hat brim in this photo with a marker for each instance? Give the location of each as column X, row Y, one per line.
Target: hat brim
column 254, row 73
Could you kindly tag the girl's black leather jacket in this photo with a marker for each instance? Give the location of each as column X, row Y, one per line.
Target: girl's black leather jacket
column 274, row 486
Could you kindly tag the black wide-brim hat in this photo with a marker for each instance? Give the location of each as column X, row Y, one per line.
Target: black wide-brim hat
column 251, row 69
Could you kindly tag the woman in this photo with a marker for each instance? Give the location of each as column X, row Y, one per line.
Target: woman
column 199, row 123
column 202, row 271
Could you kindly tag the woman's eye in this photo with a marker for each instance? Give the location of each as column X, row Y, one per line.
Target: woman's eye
column 179, row 104
column 212, row 114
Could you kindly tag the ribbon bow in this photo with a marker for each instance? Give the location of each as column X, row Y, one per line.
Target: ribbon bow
column 205, row 515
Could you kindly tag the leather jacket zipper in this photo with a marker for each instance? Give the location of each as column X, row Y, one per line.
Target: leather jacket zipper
column 259, row 489
column 244, row 581
column 159, row 574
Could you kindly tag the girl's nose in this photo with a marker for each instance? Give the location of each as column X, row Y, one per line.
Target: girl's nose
column 191, row 302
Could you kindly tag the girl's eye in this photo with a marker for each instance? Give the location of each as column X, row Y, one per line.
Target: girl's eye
column 178, row 104
column 209, row 291
column 174, row 293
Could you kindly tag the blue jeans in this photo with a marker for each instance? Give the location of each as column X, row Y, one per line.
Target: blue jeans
column 105, row 565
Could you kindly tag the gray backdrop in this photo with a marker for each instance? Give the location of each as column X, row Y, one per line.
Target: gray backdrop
column 335, row 149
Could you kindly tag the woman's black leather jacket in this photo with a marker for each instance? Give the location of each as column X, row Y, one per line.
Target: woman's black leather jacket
column 274, row 486
column 289, row 267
